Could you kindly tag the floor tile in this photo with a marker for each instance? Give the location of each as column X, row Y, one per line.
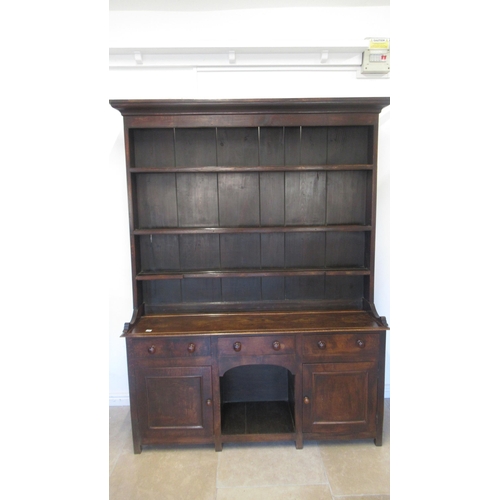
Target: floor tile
column 308, row 492
column 354, row 470
column 358, row 467
column 120, row 432
column 179, row 473
column 269, row 464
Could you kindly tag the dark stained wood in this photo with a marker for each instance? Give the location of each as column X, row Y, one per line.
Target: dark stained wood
column 156, row 200
column 305, row 198
column 153, row 148
column 304, row 250
column 237, row 146
column 272, row 250
column 251, row 383
column 345, row 249
column 239, row 199
column 361, row 344
column 173, row 401
column 272, row 198
column 158, row 107
column 195, row 147
column 255, row 418
column 352, row 403
column 160, row 252
column 199, row 251
column 240, row 251
column 347, row 197
column 250, row 323
column 253, row 168
column 170, row 348
column 348, row 146
column 252, row 228
column 255, row 229
column 314, row 145
column 241, row 289
column 258, row 345
column 243, row 273
column 201, row 291
column 272, row 146
column 197, row 200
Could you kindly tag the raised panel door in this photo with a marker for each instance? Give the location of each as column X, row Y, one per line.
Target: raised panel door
column 340, row 398
column 174, row 403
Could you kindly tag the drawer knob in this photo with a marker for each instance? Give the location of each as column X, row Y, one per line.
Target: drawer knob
column 237, row 346
column 306, row 400
column 360, row 343
column 209, row 402
column 191, row 347
column 152, row 349
column 322, row 344
column 276, row 345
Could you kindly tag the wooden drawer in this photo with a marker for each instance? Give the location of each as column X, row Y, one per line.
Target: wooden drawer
column 169, row 347
column 364, row 344
column 256, row 346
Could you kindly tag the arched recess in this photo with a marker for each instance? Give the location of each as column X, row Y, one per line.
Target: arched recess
column 258, row 399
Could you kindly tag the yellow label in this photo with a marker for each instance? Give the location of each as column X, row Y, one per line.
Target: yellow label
column 379, row 43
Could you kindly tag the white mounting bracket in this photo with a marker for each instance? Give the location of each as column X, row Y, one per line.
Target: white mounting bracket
column 138, row 57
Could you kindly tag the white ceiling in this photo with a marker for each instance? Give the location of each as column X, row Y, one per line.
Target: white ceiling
column 204, row 5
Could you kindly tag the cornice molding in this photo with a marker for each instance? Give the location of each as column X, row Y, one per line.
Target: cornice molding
column 250, row 106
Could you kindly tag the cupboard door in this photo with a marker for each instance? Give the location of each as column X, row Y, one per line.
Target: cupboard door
column 174, row 402
column 340, row 398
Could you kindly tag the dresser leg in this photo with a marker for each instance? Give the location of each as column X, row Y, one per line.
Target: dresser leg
column 299, row 444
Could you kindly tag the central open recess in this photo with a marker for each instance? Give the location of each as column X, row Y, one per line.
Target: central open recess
column 258, row 399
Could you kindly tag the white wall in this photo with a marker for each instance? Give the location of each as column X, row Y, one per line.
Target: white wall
column 266, row 28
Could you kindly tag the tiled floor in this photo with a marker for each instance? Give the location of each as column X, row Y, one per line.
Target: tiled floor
column 320, row 471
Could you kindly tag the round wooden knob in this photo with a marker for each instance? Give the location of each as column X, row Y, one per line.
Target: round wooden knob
column 237, row 346
column 191, row 347
column 321, row 344
column 209, row 402
column 306, row 400
column 276, row 345
column 152, row 349
column 360, row 343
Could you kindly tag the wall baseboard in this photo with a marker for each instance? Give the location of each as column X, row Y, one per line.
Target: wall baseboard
column 122, row 399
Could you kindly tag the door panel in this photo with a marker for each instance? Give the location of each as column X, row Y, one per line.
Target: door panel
column 175, row 401
column 340, row 398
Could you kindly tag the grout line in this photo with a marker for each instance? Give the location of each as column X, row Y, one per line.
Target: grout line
column 272, row 486
column 360, row 495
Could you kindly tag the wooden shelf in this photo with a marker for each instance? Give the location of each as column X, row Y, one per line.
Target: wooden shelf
column 257, row 168
column 240, row 273
column 257, row 417
column 258, row 229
